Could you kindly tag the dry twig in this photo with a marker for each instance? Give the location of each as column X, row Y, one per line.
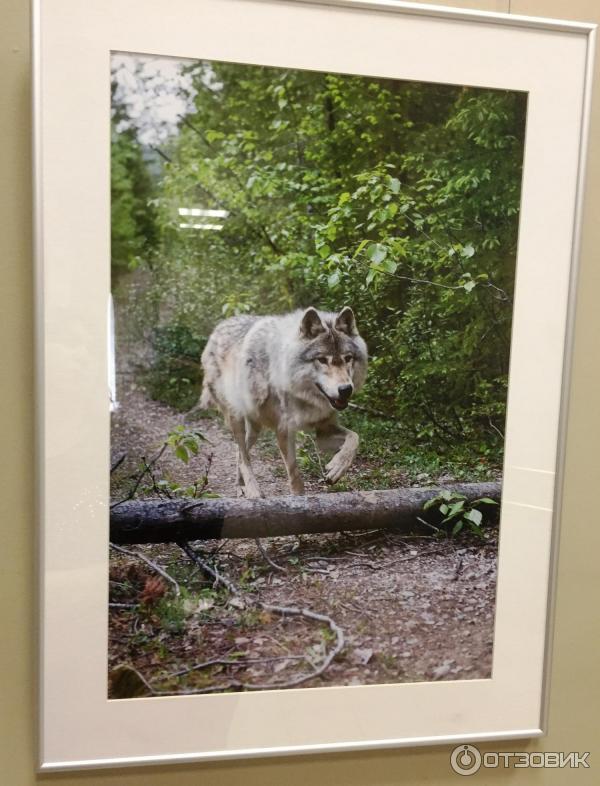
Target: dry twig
column 291, row 611
column 147, row 468
column 118, row 463
column 266, row 557
column 232, row 662
column 208, row 569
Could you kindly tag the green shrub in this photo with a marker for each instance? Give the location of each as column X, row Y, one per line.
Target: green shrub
column 175, row 376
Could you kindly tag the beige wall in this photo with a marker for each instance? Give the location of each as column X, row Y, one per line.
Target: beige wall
column 575, row 689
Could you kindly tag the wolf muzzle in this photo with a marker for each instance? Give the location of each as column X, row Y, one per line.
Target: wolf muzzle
column 341, row 401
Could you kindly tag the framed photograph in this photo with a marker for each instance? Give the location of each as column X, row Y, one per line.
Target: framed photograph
column 305, row 291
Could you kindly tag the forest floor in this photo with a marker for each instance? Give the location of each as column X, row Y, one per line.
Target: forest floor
column 408, row 608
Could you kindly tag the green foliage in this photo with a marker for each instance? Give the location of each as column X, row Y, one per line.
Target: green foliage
column 458, row 513
column 171, row 488
column 133, row 216
column 185, row 443
column 308, row 455
column 400, row 199
column 175, row 375
column 171, row 613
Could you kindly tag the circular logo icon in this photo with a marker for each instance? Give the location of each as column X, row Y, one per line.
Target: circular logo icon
column 465, row 760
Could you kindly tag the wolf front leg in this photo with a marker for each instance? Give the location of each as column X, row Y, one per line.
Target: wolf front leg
column 287, row 447
column 332, row 436
column 245, row 473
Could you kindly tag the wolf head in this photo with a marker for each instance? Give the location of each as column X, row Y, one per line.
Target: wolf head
column 333, row 359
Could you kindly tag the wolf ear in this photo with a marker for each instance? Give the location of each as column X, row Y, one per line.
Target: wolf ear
column 346, row 322
column 311, row 324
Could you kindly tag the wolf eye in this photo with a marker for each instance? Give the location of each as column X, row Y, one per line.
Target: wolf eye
column 348, row 358
column 322, row 360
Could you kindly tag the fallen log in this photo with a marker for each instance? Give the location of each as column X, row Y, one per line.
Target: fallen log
column 154, row 521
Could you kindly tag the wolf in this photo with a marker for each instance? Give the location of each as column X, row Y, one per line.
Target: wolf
column 286, row 373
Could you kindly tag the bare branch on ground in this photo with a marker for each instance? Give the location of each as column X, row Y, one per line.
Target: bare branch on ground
column 161, row 571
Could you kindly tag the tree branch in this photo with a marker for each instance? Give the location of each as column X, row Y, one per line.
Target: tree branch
column 153, row 565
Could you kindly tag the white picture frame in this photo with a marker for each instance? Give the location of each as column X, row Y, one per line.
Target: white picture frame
column 73, row 39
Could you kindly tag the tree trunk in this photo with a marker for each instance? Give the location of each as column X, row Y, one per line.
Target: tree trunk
column 153, row 521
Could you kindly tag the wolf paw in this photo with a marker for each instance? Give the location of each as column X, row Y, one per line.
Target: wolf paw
column 251, row 491
column 297, row 487
column 338, row 465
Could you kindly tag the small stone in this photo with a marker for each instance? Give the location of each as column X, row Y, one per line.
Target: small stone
column 362, row 655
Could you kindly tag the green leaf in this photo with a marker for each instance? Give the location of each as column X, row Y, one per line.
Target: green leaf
column 467, row 251
column 456, row 508
column 182, row 454
column 474, row 515
column 212, row 135
column 334, row 279
column 390, row 265
column 486, row 500
column 457, row 527
column 394, row 185
column 192, row 446
column 371, row 276
column 376, row 252
column 359, row 248
column 444, row 509
column 430, row 503
column 477, row 530
column 469, row 285
column 324, row 251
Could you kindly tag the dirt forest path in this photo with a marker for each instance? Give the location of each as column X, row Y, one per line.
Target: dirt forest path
column 140, row 427
column 410, row 608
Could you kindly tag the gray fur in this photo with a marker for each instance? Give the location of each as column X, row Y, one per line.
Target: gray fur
column 286, row 373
